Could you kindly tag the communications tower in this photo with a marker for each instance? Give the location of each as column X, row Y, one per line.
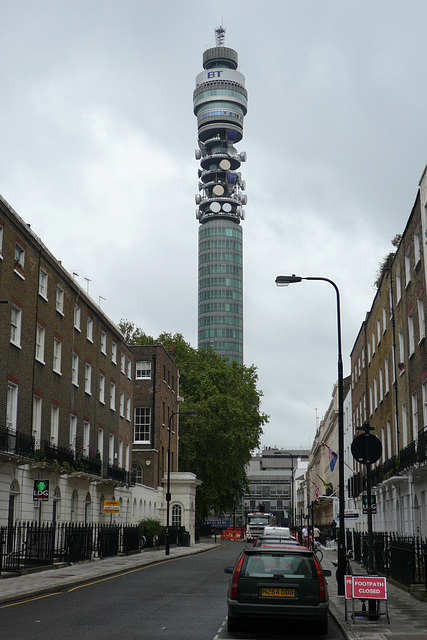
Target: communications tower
column 220, row 105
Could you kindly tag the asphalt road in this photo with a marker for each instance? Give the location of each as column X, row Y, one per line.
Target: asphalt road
column 177, row 599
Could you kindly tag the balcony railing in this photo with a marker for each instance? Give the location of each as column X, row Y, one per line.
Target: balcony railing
column 60, row 458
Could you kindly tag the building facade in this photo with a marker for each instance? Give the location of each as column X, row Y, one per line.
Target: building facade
column 155, row 392
column 65, row 392
column 389, row 385
column 220, row 104
column 271, row 476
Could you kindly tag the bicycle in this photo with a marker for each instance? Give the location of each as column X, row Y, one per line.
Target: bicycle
column 318, row 551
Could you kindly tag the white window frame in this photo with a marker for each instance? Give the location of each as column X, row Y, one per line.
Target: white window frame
column 75, row 369
column 398, row 288
column 123, row 363
column 142, row 424
column 57, row 355
column 128, row 409
column 127, row 461
column 15, row 325
column 86, row 438
column 40, row 343
column 37, row 420
column 417, row 249
column 401, row 351
column 59, row 300
column 421, row 319
column 73, row 433
column 54, row 424
column 111, row 449
column 114, row 352
column 103, row 342
column 77, row 317
column 386, row 376
column 101, row 388
column 89, row 329
column 424, row 395
column 88, row 378
column 101, row 443
column 122, row 404
column 112, row 396
column 43, row 283
column 143, row 370
column 407, row 270
column 1, row 241
column 129, row 368
column 414, row 408
column 389, row 440
column 19, row 256
column 411, row 335
column 12, row 406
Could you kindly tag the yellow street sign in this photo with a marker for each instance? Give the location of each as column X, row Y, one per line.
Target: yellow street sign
column 111, row 506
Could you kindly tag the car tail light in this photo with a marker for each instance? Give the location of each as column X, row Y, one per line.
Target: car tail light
column 323, row 591
column 235, row 578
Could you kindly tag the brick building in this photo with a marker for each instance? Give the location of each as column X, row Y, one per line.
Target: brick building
column 65, row 388
column 155, row 392
column 393, row 380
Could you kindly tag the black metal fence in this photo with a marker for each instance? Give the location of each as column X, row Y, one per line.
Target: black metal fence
column 402, row 558
column 30, row 544
column 59, row 458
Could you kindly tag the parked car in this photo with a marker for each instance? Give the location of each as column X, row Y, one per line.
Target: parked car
column 284, row 583
column 282, row 532
column 262, row 541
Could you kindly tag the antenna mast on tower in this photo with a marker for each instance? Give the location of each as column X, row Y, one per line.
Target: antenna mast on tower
column 220, row 36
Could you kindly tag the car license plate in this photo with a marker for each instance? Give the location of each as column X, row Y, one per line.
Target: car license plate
column 277, row 592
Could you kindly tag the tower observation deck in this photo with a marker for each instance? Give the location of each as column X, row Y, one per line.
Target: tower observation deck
column 220, row 104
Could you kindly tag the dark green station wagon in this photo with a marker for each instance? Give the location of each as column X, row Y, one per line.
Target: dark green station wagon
column 285, row 583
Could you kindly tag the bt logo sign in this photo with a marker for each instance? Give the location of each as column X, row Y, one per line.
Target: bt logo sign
column 214, row 74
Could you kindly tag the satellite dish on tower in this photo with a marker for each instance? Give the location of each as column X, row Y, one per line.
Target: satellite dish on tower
column 215, row 207
column 218, row 190
column 225, row 164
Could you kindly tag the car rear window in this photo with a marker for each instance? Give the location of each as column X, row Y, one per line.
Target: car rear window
column 288, row 565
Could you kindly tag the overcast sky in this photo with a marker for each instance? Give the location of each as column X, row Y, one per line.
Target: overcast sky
column 97, row 154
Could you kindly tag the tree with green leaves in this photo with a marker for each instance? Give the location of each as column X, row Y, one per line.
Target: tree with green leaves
column 217, row 445
column 386, row 262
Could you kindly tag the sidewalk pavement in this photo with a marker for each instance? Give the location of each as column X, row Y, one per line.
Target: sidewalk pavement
column 408, row 616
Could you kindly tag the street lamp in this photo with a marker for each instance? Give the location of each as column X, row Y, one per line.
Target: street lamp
column 168, row 495
column 284, row 281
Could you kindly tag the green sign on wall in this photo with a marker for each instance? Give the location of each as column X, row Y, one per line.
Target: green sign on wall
column 41, row 491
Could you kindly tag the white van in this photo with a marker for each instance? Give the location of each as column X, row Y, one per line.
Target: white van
column 277, row 532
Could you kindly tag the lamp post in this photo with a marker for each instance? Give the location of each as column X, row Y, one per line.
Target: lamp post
column 168, row 495
column 285, row 281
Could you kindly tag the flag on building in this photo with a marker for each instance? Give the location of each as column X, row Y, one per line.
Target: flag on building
column 333, row 457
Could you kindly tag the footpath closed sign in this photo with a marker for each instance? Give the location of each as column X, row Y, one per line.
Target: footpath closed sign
column 111, row 506
column 369, row 587
column 366, row 587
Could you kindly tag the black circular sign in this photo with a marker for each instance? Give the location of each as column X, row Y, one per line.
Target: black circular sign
column 366, row 449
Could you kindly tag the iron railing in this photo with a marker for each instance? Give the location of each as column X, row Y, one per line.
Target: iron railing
column 31, row 544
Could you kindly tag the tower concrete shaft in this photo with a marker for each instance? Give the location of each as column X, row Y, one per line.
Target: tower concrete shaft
column 220, row 104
